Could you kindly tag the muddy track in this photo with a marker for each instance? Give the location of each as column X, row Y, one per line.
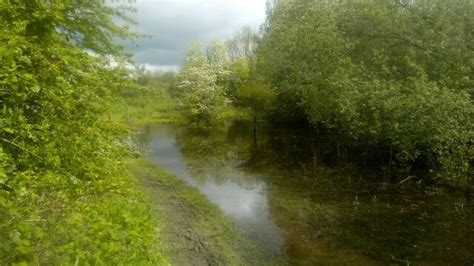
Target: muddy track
column 180, row 226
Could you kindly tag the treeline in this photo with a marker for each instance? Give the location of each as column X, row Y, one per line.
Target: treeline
column 66, row 197
column 386, row 82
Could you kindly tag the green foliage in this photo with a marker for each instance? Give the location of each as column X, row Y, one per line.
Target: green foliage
column 159, row 80
column 207, row 83
column 255, row 95
column 141, row 105
column 241, row 49
column 250, row 92
column 388, row 79
column 65, row 196
column 198, row 83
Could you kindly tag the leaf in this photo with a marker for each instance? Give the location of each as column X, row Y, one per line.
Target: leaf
column 8, row 130
column 35, row 89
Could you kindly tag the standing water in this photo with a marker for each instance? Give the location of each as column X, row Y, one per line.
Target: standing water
column 305, row 212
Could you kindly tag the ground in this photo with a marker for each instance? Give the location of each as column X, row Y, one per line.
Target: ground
column 187, row 247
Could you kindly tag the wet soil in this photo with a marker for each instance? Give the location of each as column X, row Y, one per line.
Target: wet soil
column 187, row 245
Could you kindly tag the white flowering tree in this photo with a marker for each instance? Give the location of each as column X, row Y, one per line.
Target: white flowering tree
column 201, row 95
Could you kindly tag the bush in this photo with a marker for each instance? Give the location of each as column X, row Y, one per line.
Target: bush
column 65, row 195
column 398, row 90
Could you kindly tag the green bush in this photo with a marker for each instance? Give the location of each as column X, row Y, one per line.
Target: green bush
column 65, row 195
column 388, row 78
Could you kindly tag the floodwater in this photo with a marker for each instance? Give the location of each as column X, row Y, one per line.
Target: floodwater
column 305, row 212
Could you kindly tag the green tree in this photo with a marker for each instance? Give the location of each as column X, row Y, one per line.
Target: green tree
column 380, row 77
column 65, row 196
column 258, row 97
column 241, row 50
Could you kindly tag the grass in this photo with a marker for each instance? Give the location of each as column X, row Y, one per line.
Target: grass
column 145, row 107
column 154, row 106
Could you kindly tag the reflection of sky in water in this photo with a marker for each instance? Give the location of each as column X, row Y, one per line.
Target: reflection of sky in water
column 248, row 206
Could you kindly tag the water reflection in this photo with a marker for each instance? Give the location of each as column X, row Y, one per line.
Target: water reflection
column 310, row 213
column 211, row 172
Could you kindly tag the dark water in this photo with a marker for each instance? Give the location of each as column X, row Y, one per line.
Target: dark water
column 308, row 213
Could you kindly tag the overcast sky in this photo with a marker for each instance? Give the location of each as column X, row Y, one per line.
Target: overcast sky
column 173, row 24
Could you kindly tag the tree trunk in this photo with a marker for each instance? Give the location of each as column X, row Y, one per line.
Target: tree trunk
column 255, row 130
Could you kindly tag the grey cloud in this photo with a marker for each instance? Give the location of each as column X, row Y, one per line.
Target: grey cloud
column 157, row 56
column 172, row 25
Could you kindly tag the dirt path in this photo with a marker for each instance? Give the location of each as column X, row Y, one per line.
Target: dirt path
column 187, row 246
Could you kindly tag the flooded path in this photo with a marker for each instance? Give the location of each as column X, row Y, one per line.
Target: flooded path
column 308, row 213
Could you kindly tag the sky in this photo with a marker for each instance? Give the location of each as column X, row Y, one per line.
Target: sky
column 173, row 24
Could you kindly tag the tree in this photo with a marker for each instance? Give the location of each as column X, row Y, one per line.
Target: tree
column 258, row 97
column 219, row 63
column 63, row 198
column 198, row 87
column 241, row 49
column 243, row 44
column 218, row 56
column 379, row 77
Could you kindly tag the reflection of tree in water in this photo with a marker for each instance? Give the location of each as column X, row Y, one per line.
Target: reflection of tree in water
column 352, row 215
column 284, row 148
column 207, row 153
column 333, row 212
column 315, row 203
column 410, row 228
column 218, row 154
